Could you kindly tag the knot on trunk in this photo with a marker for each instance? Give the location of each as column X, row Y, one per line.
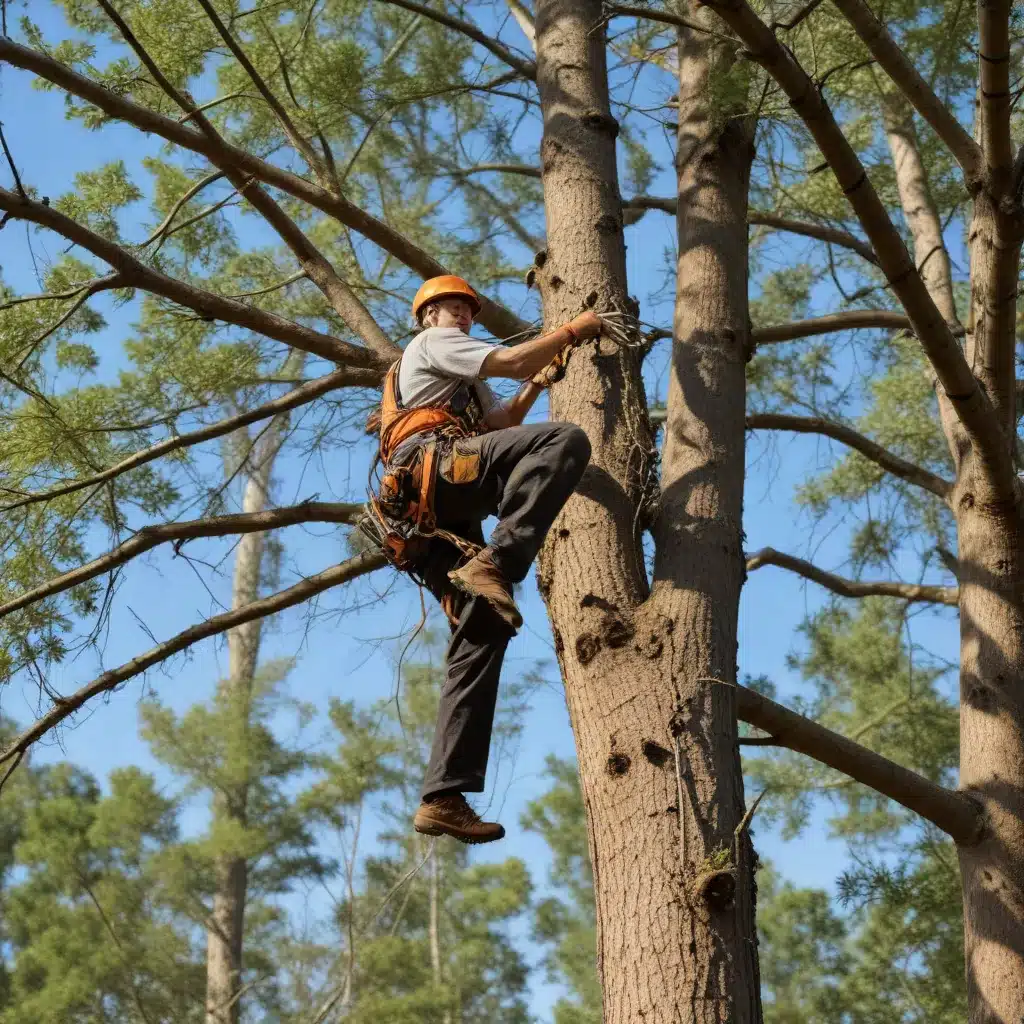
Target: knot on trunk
column 587, row 646
column 716, row 887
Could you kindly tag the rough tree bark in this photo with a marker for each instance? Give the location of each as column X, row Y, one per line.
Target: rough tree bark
column 656, row 746
column 977, row 405
column 990, row 540
column 224, row 936
column 991, row 612
column 930, row 254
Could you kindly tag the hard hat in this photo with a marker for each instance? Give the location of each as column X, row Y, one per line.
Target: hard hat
column 441, row 288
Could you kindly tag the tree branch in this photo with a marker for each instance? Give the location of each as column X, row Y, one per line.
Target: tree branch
column 955, row 813
column 216, row 526
column 899, row 68
column 189, row 194
column 891, row 463
column 662, row 16
column 851, row 319
column 527, row 68
column 291, row 400
column 82, row 296
column 215, row 307
column 301, row 144
column 822, row 232
column 972, row 406
column 317, row 267
column 495, row 317
column 64, row 707
column 525, row 170
column 639, row 204
column 912, row 592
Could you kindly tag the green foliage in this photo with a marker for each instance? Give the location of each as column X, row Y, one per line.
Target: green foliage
column 89, row 937
column 98, row 197
column 803, row 954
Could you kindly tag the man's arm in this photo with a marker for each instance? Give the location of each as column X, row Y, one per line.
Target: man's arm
column 523, row 361
column 513, row 412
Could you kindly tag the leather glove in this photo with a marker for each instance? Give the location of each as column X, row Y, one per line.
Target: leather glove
column 555, row 370
column 586, row 325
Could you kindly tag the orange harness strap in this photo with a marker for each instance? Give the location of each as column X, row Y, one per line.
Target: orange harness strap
column 398, row 424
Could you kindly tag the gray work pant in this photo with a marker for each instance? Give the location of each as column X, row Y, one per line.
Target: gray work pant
column 524, row 477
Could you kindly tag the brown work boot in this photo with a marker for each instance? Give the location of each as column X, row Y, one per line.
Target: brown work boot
column 450, row 815
column 480, row 576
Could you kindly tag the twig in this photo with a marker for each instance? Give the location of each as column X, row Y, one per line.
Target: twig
column 10, row 159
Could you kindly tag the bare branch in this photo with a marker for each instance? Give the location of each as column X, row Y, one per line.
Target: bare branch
column 64, row 707
column 10, row 158
column 822, row 232
column 662, row 16
column 635, row 207
column 639, row 204
column 805, row 12
column 70, row 293
column 150, row 537
column 525, row 170
column 940, row 345
column 899, row 68
column 955, row 813
column 215, row 307
column 869, row 449
column 299, row 275
column 527, row 68
column 912, row 592
column 190, row 194
column 851, row 319
column 887, row 460
column 495, row 317
column 293, row 399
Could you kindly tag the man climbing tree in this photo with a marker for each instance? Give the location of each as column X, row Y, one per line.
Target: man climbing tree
column 454, row 455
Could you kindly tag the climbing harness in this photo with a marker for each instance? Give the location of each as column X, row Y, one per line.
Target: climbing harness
column 400, row 517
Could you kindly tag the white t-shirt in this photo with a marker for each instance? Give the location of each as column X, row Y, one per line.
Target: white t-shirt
column 437, row 361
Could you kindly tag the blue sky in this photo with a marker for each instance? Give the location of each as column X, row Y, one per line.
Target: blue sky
column 342, row 656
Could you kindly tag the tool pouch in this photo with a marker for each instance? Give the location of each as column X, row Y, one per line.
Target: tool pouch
column 460, row 464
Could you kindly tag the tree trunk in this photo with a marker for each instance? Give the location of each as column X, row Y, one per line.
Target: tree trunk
column 224, row 937
column 992, row 755
column 930, row 254
column 991, row 568
column 675, row 938
column 991, row 571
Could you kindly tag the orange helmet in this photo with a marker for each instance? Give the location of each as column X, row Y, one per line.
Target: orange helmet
column 441, row 288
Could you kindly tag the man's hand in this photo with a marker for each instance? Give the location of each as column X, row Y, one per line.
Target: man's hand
column 586, row 325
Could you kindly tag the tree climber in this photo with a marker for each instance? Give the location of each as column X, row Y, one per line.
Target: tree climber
column 452, row 455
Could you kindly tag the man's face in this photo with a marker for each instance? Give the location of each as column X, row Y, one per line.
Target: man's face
column 453, row 312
